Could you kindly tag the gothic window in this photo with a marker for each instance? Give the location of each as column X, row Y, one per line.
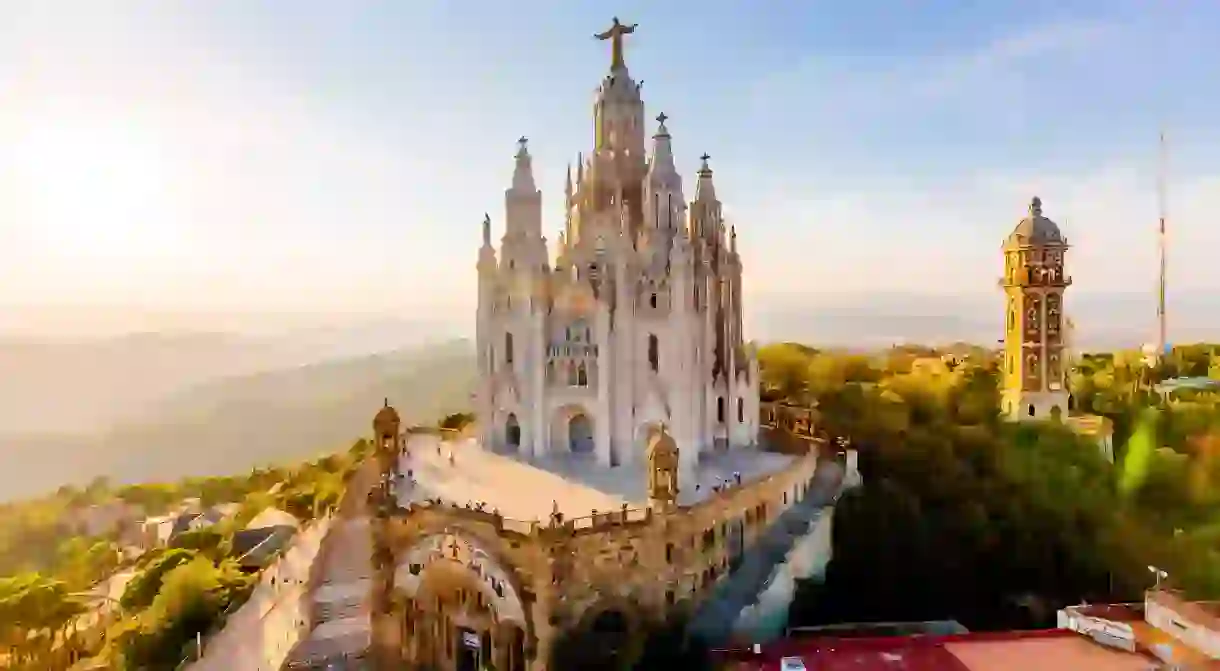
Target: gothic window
column 652, row 300
column 1030, row 410
column 654, row 353
column 741, row 411
column 720, row 409
column 571, row 374
column 582, row 376
column 588, row 335
column 508, row 348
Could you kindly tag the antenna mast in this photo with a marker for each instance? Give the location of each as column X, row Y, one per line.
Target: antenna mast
column 1162, row 206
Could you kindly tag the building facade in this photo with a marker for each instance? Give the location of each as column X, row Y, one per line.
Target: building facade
column 634, row 323
column 1035, row 336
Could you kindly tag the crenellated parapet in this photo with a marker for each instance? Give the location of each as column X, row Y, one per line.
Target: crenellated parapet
column 547, row 576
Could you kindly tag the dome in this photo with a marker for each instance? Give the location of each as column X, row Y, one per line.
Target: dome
column 661, row 445
column 1035, row 229
column 387, row 417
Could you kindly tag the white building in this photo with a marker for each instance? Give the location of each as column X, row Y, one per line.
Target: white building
column 637, row 319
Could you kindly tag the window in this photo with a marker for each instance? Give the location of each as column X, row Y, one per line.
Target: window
column 1030, row 410
column 652, row 301
column 741, row 411
column 654, row 353
column 571, row 374
column 582, row 376
column 720, row 410
column 508, row 348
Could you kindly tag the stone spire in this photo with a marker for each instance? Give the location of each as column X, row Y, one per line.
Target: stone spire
column 523, row 173
column 733, row 239
column 662, row 164
column 704, row 189
column 486, row 230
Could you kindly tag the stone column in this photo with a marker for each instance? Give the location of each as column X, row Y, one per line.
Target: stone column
column 539, row 433
column 605, row 374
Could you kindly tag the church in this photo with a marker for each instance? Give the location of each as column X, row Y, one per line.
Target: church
column 635, row 322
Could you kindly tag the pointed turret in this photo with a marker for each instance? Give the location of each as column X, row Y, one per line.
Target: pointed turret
column 567, row 184
column 523, row 172
column 705, row 190
column 661, row 169
column 732, row 239
column 486, row 230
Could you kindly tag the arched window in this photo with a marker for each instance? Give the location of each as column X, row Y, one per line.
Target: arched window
column 1030, row 410
column 654, row 352
column 652, row 301
column 571, row 374
column 741, row 411
column 582, row 376
column 720, row 409
column 508, row 348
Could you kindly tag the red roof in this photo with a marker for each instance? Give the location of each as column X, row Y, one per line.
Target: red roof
column 959, row 652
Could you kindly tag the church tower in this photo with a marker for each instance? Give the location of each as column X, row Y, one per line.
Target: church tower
column 1035, row 340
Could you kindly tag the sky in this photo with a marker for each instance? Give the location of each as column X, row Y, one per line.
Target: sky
column 337, row 157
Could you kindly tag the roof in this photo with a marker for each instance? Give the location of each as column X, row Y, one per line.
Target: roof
column 273, row 517
column 1035, row 230
column 1044, row 650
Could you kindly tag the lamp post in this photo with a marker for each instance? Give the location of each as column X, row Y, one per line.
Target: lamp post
column 1160, row 575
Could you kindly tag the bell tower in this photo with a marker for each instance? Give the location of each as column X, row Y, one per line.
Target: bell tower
column 1034, row 382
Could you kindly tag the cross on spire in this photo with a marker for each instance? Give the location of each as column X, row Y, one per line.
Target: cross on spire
column 662, row 117
column 705, row 157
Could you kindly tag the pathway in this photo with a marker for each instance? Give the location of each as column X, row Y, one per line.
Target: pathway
column 341, row 626
column 717, row 613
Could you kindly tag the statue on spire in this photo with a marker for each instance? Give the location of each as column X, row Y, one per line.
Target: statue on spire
column 615, row 34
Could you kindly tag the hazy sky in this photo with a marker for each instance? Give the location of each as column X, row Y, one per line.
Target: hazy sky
column 310, row 155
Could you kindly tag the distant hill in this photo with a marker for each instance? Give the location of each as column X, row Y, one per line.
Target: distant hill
column 1103, row 320
column 237, row 422
column 83, row 385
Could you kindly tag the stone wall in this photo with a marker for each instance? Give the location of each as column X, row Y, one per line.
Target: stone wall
column 641, row 562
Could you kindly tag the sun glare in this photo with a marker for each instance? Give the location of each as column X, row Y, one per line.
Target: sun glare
column 96, row 191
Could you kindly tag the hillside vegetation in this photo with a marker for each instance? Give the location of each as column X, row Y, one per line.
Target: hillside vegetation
column 963, row 516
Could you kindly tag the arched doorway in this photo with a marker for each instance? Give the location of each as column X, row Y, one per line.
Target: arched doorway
column 459, row 608
column 580, row 434
column 603, row 642
column 512, row 432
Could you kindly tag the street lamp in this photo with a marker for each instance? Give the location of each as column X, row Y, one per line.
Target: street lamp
column 1160, row 575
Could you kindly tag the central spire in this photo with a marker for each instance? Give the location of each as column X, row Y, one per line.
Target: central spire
column 615, row 34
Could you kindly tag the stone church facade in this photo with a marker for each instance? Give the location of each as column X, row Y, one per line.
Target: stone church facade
column 635, row 322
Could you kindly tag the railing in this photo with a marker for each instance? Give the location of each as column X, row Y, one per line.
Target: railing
column 596, row 522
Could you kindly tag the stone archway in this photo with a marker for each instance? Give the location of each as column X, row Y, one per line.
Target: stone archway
column 572, row 430
column 512, row 432
column 580, row 434
column 460, row 607
column 605, row 638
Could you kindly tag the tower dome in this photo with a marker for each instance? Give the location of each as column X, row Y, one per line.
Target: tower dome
column 1035, row 229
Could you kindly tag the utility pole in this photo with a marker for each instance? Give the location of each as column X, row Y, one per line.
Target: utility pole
column 1162, row 207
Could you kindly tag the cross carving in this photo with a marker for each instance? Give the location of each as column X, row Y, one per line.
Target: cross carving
column 453, row 548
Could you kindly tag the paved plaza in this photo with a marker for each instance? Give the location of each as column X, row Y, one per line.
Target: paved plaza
column 528, row 490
